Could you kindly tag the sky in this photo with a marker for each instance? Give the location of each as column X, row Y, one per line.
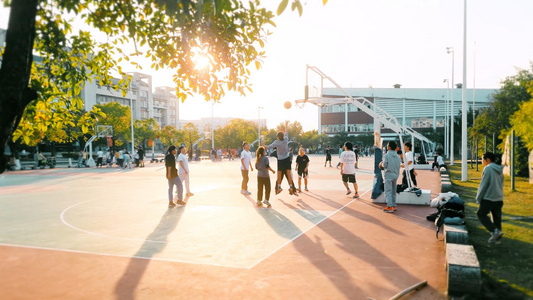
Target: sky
column 378, row 43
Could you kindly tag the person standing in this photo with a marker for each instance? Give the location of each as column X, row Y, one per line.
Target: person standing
column 80, row 159
column 99, row 158
column 328, row 156
column 109, row 158
column 408, row 165
column 173, row 177
column 302, row 165
column 246, row 166
column 120, row 158
column 263, row 179
column 284, row 161
column 219, row 154
column 340, row 152
column 184, row 169
column 391, row 167
column 141, row 156
column 356, row 151
column 490, row 196
column 348, row 162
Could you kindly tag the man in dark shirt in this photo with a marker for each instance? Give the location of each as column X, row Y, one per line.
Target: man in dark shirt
column 302, row 163
column 172, row 177
column 328, row 156
column 141, row 157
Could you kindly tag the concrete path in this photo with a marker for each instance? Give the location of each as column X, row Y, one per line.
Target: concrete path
column 107, row 234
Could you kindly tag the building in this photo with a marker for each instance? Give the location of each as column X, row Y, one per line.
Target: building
column 416, row 108
column 166, row 107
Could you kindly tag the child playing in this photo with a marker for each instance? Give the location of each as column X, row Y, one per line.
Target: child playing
column 302, row 163
column 263, row 180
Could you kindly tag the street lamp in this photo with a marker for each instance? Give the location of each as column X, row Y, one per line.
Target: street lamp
column 464, row 144
column 451, row 50
column 259, row 126
column 446, row 125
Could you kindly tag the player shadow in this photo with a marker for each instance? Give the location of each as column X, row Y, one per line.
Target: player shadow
column 312, row 250
column 352, row 212
column 351, row 243
column 154, row 243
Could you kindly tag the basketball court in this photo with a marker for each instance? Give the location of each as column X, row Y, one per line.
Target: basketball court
column 107, row 233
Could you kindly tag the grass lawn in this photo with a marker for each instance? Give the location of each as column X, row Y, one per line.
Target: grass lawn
column 507, row 268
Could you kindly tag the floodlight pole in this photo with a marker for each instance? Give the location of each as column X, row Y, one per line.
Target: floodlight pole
column 131, row 111
column 452, row 51
column 464, row 145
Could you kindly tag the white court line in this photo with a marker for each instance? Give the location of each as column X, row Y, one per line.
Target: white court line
column 303, row 232
column 123, row 256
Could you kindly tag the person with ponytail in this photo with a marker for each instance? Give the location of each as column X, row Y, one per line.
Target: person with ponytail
column 172, row 177
column 263, row 179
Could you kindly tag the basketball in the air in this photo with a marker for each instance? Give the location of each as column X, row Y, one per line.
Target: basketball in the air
column 287, row 104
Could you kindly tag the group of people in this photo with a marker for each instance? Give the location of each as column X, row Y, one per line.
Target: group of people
column 177, row 176
column 122, row 158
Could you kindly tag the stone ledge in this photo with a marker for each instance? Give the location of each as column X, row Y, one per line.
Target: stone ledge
column 455, row 234
column 462, row 265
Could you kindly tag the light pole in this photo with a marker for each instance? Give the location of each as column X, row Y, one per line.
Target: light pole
column 131, row 112
column 212, row 131
column 446, row 109
column 464, row 145
column 451, row 50
column 259, row 125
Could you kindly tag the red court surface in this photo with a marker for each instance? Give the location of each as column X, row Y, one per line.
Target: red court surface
column 107, row 234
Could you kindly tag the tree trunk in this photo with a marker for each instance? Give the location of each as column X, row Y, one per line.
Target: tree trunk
column 15, row 93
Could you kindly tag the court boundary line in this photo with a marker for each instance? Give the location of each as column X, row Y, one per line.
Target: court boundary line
column 122, row 256
column 303, row 232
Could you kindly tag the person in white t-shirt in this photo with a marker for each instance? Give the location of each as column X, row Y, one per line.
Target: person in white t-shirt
column 408, row 165
column 100, row 158
column 246, row 166
column 348, row 163
column 183, row 172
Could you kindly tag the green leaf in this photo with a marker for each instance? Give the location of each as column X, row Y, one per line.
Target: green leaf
column 282, row 6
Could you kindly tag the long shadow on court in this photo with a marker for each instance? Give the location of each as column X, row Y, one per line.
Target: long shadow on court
column 346, row 242
column 310, row 248
column 154, row 243
column 352, row 212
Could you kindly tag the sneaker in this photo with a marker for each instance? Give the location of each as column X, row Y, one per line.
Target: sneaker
column 496, row 236
column 259, row 203
column 306, row 189
column 348, row 192
column 278, row 190
column 299, row 190
column 180, row 202
column 243, row 192
column 388, row 209
column 294, row 192
column 247, row 193
column 265, row 202
column 394, row 208
column 356, row 195
column 291, row 191
column 171, row 205
column 190, row 194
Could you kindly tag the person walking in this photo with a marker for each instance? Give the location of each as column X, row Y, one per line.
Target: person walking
column 348, row 162
column 173, row 177
column 340, row 152
column 184, row 169
column 262, row 166
column 490, row 196
column 99, row 158
column 408, row 166
column 302, row 165
column 356, row 151
column 328, row 156
column 284, row 161
column 391, row 167
column 246, row 166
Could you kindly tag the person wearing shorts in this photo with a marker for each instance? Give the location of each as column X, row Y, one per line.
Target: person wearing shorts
column 348, row 163
column 302, row 165
column 284, row 162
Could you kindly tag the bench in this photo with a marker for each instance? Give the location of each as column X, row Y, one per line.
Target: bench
column 464, row 274
column 455, row 234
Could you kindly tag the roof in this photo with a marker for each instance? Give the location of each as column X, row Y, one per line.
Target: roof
column 482, row 95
